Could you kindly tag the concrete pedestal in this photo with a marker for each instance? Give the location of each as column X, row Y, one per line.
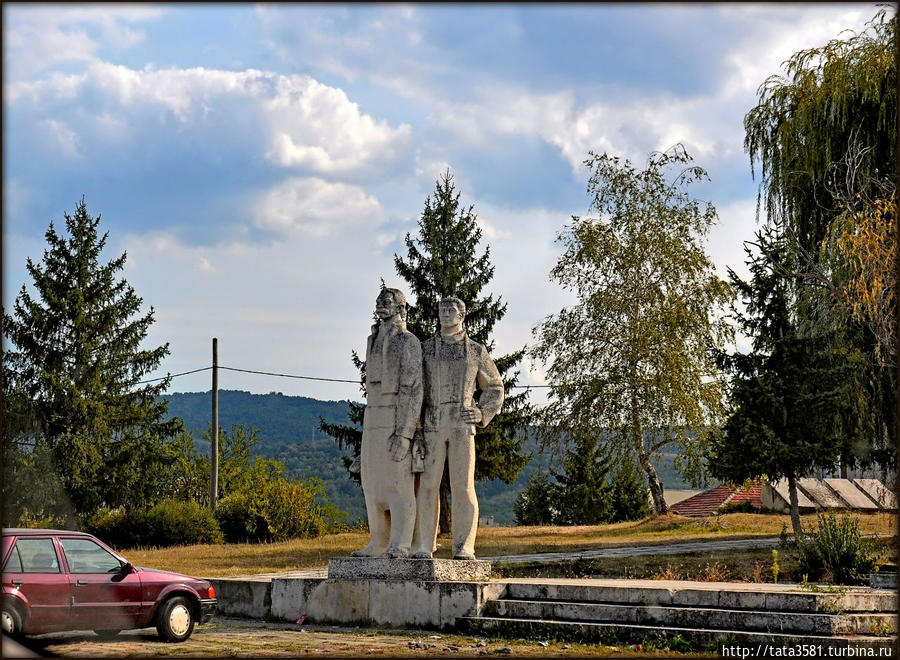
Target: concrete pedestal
column 381, row 568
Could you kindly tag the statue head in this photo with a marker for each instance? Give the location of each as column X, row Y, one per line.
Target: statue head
column 390, row 302
column 451, row 312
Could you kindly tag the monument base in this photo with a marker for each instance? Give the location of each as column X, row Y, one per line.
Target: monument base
column 420, row 570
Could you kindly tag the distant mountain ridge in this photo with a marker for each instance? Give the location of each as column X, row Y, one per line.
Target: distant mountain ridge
column 289, row 432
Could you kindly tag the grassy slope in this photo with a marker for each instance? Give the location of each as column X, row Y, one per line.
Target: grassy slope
column 243, row 559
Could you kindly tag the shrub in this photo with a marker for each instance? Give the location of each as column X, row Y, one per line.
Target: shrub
column 241, row 520
column 114, row 527
column 837, row 551
column 172, row 522
column 169, row 522
column 291, row 509
column 744, row 506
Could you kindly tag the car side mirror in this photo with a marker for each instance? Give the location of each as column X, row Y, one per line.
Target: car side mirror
column 127, row 568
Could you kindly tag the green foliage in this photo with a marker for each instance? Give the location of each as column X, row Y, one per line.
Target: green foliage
column 630, row 362
column 583, row 492
column 256, row 501
column 825, row 139
column 167, row 523
column 240, row 519
column 537, row 504
column 292, row 509
column 76, row 357
column 794, row 398
column 629, row 492
column 837, row 551
column 587, row 492
column 834, row 101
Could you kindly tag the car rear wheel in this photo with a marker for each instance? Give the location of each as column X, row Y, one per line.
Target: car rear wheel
column 11, row 619
column 175, row 620
column 107, row 634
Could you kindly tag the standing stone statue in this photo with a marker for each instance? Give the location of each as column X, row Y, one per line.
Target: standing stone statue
column 453, row 364
column 393, row 406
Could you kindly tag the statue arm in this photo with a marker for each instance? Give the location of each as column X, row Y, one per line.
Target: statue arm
column 409, row 397
column 491, row 386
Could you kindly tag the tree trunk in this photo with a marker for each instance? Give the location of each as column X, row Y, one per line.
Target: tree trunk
column 656, row 486
column 795, row 506
column 445, row 517
column 637, row 438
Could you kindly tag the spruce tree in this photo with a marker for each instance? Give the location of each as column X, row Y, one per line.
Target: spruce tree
column 441, row 261
column 794, row 404
column 76, row 357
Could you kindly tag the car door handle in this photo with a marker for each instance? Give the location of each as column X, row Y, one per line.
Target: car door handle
column 81, row 583
column 17, row 582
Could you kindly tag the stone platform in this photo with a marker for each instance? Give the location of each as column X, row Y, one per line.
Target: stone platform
column 429, row 570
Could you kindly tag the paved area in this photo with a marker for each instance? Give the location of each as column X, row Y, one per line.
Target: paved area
column 263, row 639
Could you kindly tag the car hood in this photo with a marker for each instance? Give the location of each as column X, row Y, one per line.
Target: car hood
column 165, row 575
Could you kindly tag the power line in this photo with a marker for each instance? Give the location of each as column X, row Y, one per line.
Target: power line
column 183, row 373
column 271, row 373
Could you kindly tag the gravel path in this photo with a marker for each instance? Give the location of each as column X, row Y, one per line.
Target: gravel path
column 636, row 550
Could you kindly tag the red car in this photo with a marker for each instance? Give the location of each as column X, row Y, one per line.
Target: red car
column 57, row 580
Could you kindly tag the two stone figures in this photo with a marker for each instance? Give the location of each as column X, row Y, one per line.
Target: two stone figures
column 427, row 388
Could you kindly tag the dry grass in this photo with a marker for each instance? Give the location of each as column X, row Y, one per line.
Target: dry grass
column 244, row 559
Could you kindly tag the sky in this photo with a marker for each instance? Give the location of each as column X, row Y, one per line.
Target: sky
column 261, row 164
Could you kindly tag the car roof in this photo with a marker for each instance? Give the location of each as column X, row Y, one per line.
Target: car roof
column 30, row 531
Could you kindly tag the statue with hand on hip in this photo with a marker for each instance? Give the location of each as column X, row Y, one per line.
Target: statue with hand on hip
column 453, row 365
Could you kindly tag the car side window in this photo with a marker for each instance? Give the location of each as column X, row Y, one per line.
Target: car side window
column 37, row 555
column 14, row 563
column 85, row 556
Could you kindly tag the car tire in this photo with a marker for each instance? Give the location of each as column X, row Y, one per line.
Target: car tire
column 12, row 619
column 107, row 634
column 175, row 619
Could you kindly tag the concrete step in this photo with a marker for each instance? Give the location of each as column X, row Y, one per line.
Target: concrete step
column 694, row 617
column 701, row 638
column 758, row 597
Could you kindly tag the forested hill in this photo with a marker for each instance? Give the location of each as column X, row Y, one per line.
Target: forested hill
column 288, row 432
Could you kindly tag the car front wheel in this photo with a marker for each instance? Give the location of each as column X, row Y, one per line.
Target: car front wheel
column 12, row 620
column 175, row 621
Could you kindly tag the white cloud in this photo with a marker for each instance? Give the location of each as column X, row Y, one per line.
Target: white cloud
column 37, row 37
column 65, row 137
column 315, row 207
column 310, row 126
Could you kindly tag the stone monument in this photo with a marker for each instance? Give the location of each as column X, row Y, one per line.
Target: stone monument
column 453, row 364
column 393, row 405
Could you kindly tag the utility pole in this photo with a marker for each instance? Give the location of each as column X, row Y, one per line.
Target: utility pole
column 214, row 457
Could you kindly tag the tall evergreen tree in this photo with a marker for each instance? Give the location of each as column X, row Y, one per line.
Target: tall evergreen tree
column 794, row 404
column 76, row 357
column 442, row 261
column 584, row 490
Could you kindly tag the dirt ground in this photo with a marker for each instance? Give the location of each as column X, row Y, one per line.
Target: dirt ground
column 250, row 638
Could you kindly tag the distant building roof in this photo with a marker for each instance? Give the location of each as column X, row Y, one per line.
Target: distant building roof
column 709, row 501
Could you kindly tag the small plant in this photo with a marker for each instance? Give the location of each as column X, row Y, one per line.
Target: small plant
column 757, row 575
column 837, row 551
column 714, row 573
column 775, row 566
column 882, row 628
column 668, row 573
